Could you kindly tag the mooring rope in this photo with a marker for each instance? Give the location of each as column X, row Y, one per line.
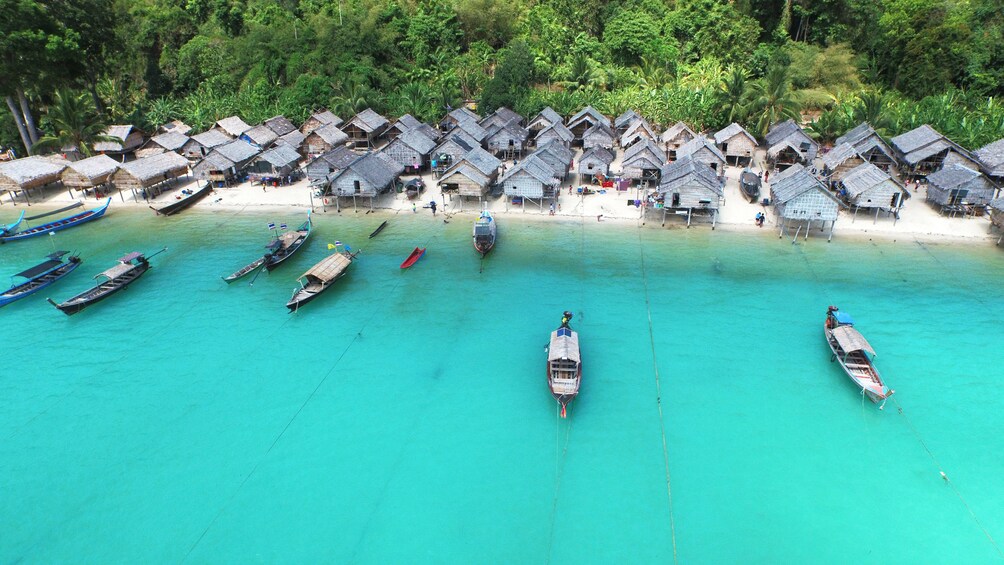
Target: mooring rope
column 658, row 398
column 559, row 455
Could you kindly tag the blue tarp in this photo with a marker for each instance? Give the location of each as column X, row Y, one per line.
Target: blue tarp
column 843, row 318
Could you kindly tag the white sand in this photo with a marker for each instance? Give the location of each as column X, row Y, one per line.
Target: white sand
column 918, row 219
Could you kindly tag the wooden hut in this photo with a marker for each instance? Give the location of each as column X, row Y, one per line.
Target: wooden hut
column 675, row 137
column 277, row 164
column 233, row 126
column 789, row 136
column 131, row 139
column 200, row 145
column 147, row 176
column 598, row 135
column 799, row 198
column 320, row 119
column 558, row 157
column 22, row 175
column 958, row 188
column 89, row 174
column 637, row 131
column 531, row 179
column 785, row 153
column 175, row 126
column 867, row 186
column 411, row 150
column 507, row 139
column 322, row 167
column 996, row 208
column 472, row 129
column 260, row 135
column 544, row 119
column 643, row 161
column 365, row 128
column 690, row 186
column 226, row 163
column 585, row 119
column 701, row 149
column 735, row 143
column 454, row 147
column 595, row 163
column 869, row 145
column 922, row 151
column 839, row 161
column 991, row 158
column 296, row 140
column 368, row 176
column 472, row 175
column 554, row 132
column 458, row 115
column 324, row 139
column 500, row 117
column 403, row 124
column 170, row 141
column 279, row 125
column 624, row 121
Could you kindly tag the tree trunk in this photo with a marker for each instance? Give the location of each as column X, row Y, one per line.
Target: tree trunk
column 18, row 119
column 93, row 89
column 29, row 120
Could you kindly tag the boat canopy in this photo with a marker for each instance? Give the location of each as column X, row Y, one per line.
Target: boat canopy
column 851, row 339
column 130, row 257
column 329, row 269
column 564, row 345
column 482, row 228
column 116, row 271
column 843, row 318
column 42, row 267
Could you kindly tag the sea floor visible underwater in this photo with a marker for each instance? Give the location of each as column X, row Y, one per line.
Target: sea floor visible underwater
column 403, row 416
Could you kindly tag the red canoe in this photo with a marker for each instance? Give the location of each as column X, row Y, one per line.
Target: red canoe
column 413, row 258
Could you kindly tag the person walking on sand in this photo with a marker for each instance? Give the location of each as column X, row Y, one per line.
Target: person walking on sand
column 552, row 209
column 433, row 206
column 414, row 209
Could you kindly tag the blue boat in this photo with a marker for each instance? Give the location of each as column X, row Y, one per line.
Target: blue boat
column 11, row 227
column 61, row 224
column 41, row 276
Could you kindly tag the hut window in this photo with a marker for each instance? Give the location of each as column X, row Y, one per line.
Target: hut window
column 725, row 147
column 956, row 196
column 356, row 187
column 676, row 199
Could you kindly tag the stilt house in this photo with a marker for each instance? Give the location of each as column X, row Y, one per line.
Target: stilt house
column 736, row 144
column 322, row 167
column 411, row 150
column 532, row 178
column 869, row 145
column 260, row 135
column 675, row 137
column 324, row 139
column 280, row 125
column 280, row 162
column 991, row 158
column 624, row 121
column 365, row 128
column 150, row 173
column 959, row 185
column 839, row 161
column 556, row 132
column 472, row 175
column 867, row 186
column 368, row 176
column 318, row 120
column 233, row 126
column 636, row 131
column 799, row 198
column 598, row 135
column 585, row 119
column 90, row 173
column 922, row 151
column 200, row 145
column 643, row 161
column 789, row 144
column 703, row 150
column 131, row 138
column 546, row 118
column 692, row 186
column 595, row 163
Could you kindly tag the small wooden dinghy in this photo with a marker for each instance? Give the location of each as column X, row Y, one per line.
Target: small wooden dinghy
column 250, row 267
column 320, row 277
column 749, row 183
column 485, row 232
column 61, row 224
column 564, row 363
column 855, row 355
column 413, row 258
column 378, row 230
column 185, row 202
column 128, row 269
column 287, row 244
column 41, row 276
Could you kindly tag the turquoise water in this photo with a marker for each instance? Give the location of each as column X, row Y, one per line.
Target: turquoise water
column 403, row 417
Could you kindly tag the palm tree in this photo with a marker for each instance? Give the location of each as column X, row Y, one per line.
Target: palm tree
column 652, row 73
column 773, row 100
column 582, row 75
column 352, row 97
column 735, row 91
column 872, row 107
column 77, row 124
column 415, row 98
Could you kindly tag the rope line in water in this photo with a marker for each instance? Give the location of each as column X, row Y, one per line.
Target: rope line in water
column 559, row 471
column 658, row 391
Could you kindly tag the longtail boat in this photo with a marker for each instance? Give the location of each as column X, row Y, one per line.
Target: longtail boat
column 564, row 363
column 413, row 258
column 129, row 268
column 250, row 267
column 12, row 227
column 749, row 183
column 41, row 276
column 854, row 354
column 287, row 244
column 61, row 224
column 320, row 277
column 185, row 201
column 485, row 232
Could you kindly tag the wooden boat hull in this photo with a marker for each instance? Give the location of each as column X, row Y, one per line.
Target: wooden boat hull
column 861, row 373
column 749, row 184
column 563, row 367
column 36, row 284
column 101, row 291
column 315, row 286
column 378, row 230
column 59, row 225
column 277, row 257
column 413, row 258
column 185, row 202
column 485, row 233
column 11, row 228
column 246, row 269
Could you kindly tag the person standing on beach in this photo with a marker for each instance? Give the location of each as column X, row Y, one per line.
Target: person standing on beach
column 433, row 206
column 766, row 175
column 414, row 209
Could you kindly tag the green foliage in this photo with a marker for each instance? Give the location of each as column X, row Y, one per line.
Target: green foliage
column 73, row 123
column 772, row 100
column 712, row 28
column 512, row 79
column 633, row 34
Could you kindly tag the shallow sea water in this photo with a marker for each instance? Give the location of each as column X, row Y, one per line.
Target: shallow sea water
column 403, row 416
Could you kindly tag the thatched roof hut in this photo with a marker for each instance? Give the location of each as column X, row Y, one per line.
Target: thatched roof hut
column 791, row 134
column 544, row 119
column 215, row 167
column 320, row 119
column 280, row 125
column 260, row 135
column 558, row 157
column 278, row 162
column 997, row 214
column 365, row 127
column 957, row 185
column 175, row 126
column 472, row 175
column 799, row 196
column 991, row 158
column 867, row 186
column 170, row 141
column 554, row 132
column 674, row 138
column 595, row 161
column 585, row 119
column 294, row 139
column 923, row 151
column 507, row 139
column 597, row 135
column 90, row 172
column 472, row 129
column 703, row 150
column 131, row 138
column 150, row 171
column 736, row 143
column 232, row 126
column 869, row 145
column 240, row 152
column 691, row 185
column 452, row 149
column 411, row 150
column 643, row 161
column 324, row 139
column 369, row 175
column 29, row 172
column 530, row 178
column 324, row 165
column 403, row 124
column 839, row 161
column 458, row 115
column 623, row 121
column 201, row 144
column 637, row 131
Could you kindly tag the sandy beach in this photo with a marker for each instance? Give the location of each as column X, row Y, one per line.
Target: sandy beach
column 918, row 220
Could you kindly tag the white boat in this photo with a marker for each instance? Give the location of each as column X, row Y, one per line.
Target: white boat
column 564, row 363
column 855, row 355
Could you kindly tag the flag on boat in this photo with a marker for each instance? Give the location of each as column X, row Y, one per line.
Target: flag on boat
column 331, row 246
column 347, row 248
column 271, row 226
column 282, row 226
